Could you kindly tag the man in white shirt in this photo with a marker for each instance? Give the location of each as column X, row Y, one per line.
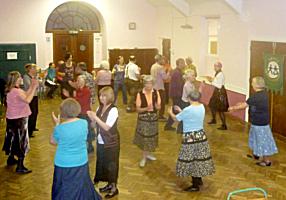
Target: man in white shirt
column 132, row 77
column 159, row 75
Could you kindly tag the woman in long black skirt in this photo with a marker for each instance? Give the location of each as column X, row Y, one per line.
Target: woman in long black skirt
column 219, row 101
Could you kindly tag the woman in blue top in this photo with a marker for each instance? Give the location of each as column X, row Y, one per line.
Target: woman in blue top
column 50, row 80
column 71, row 173
column 195, row 157
column 261, row 140
column 119, row 74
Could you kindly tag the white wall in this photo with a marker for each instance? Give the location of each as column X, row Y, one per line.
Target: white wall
column 232, row 46
column 24, row 21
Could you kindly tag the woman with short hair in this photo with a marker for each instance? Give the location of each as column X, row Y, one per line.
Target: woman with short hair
column 108, row 144
column 71, row 173
column 148, row 102
column 16, row 138
column 195, row 158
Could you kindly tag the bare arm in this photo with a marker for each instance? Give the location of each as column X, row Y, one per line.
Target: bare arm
column 238, row 106
column 94, row 118
column 28, row 96
column 172, row 115
column 56, row 121
column 158, row 103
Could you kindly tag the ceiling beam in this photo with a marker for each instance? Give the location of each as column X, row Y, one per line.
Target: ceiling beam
column 236, row 5
column 182, row 6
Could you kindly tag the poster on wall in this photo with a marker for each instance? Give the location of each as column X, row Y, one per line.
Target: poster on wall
column 273, row 72
column 12, row 55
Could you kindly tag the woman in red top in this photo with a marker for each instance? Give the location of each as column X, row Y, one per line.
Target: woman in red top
column 83, row 96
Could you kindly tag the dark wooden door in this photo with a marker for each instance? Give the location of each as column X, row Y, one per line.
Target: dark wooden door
column 144, row 57
column 256, row 69
column 80, row 45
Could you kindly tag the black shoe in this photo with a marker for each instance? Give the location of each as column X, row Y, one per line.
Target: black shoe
column 31, row 136
column 11, row 161
column 106, row 188
column 169, row 128
column 192, row 189
column 253, row 156
column 223, row 127
column 23, row 170
column 111, row 194
column 213, row 121
column 36, row 129
column 200, row 182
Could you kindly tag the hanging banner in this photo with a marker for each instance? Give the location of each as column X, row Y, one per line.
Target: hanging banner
column 273, row 72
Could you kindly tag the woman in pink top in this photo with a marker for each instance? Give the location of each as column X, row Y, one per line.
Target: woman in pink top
column 16, row 138
column 103, row 76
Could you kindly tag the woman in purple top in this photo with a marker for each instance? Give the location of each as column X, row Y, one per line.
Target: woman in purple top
column 16, row 138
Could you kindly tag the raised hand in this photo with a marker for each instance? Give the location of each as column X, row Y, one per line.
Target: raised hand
column 56, row 119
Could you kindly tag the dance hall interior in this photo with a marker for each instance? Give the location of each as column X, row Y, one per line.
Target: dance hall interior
column 143, row 99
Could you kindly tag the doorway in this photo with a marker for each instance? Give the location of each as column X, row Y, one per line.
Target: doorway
column 80, row 45
column 256, row 69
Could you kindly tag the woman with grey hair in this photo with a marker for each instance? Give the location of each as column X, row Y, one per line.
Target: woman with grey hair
column 103, row 76
column 261, row 140
column 148, row 102
column 195, row 158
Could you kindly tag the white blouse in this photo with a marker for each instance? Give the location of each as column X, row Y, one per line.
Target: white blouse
column 218, row 81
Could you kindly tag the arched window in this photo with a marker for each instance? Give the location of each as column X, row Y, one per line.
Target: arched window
column 73, row 16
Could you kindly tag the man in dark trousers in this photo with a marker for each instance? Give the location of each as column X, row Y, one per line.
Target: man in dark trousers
column 31, row 73
column 176, row 90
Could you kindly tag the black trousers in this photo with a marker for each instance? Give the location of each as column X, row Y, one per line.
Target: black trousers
column 176, row 101
column 32, row 121
column 52, row 89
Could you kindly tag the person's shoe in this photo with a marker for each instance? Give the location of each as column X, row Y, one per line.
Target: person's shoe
column 213, row 121
column 111, row 194
column 151, row 157
column 169, row 128
column 142, row 163
column 253, row 156
column 36, row 129
column 31, row 136
column 23, row 170
column 264, row 164
column 223, row 127
column 192, row 189
column 129, row 110
column 106, row 188
column 200, row 181
column 11, row 161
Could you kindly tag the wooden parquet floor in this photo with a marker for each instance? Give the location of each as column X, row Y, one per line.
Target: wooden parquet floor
column 157, row 181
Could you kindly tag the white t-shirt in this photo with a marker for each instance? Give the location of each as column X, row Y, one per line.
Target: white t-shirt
column 218, row 80
column 111, row 118
column 131, row 70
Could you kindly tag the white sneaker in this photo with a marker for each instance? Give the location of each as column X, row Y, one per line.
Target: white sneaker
column 142, row 163
column 151, row 157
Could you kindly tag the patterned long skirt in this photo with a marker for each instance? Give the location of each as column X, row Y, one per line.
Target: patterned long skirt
column 17, row 137
column 261, row 141
column 195, row 156
column 146, row 135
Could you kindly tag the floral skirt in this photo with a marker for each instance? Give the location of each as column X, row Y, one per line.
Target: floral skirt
column 146, row 135
column 17, row 137
column 195, row 156
column 261, row 141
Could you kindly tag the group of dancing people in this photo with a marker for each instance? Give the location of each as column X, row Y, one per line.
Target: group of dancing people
column 76, row 125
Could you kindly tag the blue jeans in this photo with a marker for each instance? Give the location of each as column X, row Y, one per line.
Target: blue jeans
column 121, row 85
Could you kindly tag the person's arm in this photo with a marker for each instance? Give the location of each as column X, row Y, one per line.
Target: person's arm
column 172, row 114
column 28, row 96
column 218, row 81
column 158, row 103
column 56, row 121
column 113, row 115
column 238, row 106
